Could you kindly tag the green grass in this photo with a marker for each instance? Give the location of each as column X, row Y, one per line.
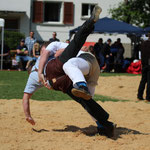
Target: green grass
column 12, row 84
column 118, row 74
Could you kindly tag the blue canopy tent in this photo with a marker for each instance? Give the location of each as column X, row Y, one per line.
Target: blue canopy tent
column 108, row 25
column 147, row 29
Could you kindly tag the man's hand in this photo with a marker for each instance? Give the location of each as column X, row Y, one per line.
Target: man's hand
column 30, row 120
column 42, row 79
column 48, row 86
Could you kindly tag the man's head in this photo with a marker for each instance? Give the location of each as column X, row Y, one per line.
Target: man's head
column 84, row 48
column 43, row 47
column 31, row 34
column 100, row 40
column 54, row 35
column 109, row 41
column 118, row 40
column 67, row 41
column 22, row 42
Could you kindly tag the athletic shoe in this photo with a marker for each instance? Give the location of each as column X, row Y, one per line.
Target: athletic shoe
column 107, row 130
column 81, row 91
column 95, row 13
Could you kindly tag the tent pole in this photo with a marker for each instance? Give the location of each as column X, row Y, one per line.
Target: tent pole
column 2, row 46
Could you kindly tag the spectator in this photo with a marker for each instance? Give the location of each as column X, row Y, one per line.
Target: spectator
column 36, row 51
column 107, row 54
column 118, row 61
column 145, row 59
column 136, row 50
column 98, row 54
column 68, row 41
column 6, row 57
column 91, row 49
column 29, row 42
column 54, row 37
column 22, row 55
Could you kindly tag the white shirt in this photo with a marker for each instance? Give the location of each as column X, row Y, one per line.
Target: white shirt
column 54, row 46
column 81, row 52
column 36, row 66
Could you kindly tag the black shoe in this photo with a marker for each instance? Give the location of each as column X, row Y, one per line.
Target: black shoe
column 82, row 92
column 140, row 98
column 101, row 131
column 95, row 13
column 107, row 130
column 147, row 99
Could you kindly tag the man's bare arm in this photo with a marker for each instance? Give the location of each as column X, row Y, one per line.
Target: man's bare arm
column 59, row 52
column 26, row 108
column 43, row 60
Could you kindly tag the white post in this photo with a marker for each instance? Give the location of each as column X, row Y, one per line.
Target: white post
column 2, row 43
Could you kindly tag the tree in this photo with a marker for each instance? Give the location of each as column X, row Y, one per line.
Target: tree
column 12, row 38
column 135, row 12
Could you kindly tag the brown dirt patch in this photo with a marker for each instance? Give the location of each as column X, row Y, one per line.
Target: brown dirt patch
column 65, row 125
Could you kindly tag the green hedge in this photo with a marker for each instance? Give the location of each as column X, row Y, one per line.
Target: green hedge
column 12, row 38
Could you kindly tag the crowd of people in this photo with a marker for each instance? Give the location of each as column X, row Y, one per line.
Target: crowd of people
column 109, row 55
column 27, row 51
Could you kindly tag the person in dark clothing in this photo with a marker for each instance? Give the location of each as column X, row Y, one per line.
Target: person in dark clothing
column 98, row 53
column 145, row 79
column 58, row 80
column 118, row 61
column 107, row 54
column 6, row 57
column 22, row 55
column 54, row 38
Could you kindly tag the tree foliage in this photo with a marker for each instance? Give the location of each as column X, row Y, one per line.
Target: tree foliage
column 12, row 38
column 135, row 12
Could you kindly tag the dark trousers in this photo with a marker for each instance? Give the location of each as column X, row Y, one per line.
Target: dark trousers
column 93, row 108
column 145, row 79
column 79, row 39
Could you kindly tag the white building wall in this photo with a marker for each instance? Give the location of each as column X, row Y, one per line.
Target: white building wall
column 19, row 6
column 44, row 32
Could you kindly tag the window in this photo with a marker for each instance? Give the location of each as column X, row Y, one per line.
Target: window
column 12, row 24
column 87, row 10
column 53, row 12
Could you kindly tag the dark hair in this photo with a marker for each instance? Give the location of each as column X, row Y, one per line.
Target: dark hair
column 118, row 39
column 45, row 44
column 109, row 40
column 55, row 33
column 22, row 40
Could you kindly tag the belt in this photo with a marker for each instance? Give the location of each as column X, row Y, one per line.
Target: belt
column 35, row 70
column 52, row 81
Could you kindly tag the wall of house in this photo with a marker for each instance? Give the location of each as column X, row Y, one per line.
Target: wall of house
column 21, row 9
column 44, row 32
